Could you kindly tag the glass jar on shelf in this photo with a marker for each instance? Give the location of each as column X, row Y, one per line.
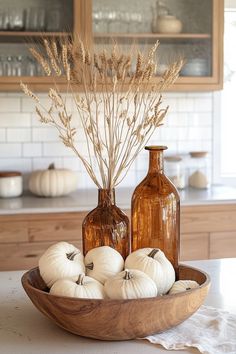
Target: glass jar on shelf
column 176, row 171
column 54, row 19
column 199, row 176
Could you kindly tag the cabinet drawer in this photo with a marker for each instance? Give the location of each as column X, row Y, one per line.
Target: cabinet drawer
column 15, row 231
column 194, row 246
column 208, row 221
column 20, row 256
column 222, row 244
column 58, row 230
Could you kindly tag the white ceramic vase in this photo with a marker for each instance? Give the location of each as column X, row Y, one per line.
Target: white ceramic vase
column 168, row 24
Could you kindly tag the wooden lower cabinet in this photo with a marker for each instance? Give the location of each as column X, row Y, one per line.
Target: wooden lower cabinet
column 223, row 244
column 207, row 231
column 23, row 238
column 194, row 246
column 24, row 255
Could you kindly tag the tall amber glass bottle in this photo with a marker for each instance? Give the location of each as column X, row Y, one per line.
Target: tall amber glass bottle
column 155, row 210
column 106, row 225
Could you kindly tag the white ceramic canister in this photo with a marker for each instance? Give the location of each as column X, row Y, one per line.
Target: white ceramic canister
column 11, row 184
column 168, row 24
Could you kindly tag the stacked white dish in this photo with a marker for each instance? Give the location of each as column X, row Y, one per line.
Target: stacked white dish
column 195, row 67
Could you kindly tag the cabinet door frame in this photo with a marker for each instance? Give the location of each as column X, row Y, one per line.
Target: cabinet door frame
column 211, row 83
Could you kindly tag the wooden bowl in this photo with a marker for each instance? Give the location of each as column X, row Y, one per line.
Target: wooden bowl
column 117, row 319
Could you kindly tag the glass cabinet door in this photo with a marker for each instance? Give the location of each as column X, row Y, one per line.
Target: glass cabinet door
column 23, row 23
column 185, row 28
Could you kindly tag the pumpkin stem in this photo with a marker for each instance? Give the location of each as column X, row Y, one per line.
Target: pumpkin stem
column 51, row 166
column 188, row 288
column 90, row 266
column 153, row 252
column 71, row 255
column 80, row 280
column 128, row 275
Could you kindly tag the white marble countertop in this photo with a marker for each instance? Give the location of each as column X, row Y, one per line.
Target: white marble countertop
column 24, row 330
column 86, row 199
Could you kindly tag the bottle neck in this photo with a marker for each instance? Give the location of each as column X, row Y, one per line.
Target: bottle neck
column 106, row 197
column 156, row 161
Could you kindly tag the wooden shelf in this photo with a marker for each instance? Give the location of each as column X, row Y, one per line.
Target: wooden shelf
column 154, row 35
column 33, row 34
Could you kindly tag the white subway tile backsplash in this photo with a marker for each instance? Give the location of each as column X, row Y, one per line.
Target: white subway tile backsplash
column 185, row 105
column 200, row 119
column 205, row 119
column 174, row 133
column 174, row 95
column 32, row 149
column 18, row 134
column 199, row 94
column 2, row 135
column 84, row 181
column 72, row 163
column 206, row 145
column 42, row 163
column 200, row 133
column 45, row 134
column 56, row 149
column 178, row 120
column 140, row 174
column 16, row 164
column 8, row 104
column 35, row 122
column 172, row 103
column 130, row 178
column 26, row 144
column 203, row 104
column 10, row 150
column 142, row 161
column 187, row 146
column 15, row 120
column 28, row 105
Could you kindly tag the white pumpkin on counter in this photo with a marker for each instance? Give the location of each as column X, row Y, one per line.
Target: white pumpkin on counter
column 82, row 287
column 154, row 263
column 61, row 260
column 130, row 284
column 103, row 262
column 183, row 285
column 53, row 182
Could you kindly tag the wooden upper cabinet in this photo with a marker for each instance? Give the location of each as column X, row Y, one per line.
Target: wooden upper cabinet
column 100, row 22
column 24, row 23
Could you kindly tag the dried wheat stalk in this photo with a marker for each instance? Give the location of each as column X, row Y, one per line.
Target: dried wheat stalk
column 119, row 107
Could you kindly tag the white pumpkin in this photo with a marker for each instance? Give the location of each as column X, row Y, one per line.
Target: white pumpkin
column 154, row 263
column 130, row 284
column 183, row 285
column 52, row 182
column 80, row 287
column 61, row 260
column 103, row 262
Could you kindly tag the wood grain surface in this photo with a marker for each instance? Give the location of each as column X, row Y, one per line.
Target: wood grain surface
column 117, row 319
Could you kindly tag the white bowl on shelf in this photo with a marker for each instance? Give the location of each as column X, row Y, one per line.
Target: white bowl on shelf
column 195, row 67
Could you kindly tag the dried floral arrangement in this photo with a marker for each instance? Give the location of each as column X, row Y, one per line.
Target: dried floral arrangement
column 119, row 106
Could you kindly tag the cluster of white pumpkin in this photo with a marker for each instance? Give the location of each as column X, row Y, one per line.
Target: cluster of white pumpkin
column 103, row 273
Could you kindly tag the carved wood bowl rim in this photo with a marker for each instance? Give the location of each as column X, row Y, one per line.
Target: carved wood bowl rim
column 37, row 296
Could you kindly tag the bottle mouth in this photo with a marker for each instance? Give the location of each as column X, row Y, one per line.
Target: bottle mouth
column 156, row 147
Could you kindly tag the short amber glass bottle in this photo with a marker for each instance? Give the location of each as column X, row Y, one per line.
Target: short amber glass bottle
column 155, row 209
column 106, row 225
